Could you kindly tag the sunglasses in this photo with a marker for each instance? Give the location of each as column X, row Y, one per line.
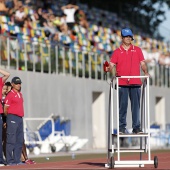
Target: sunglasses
column 127, row 36
column 17, row 83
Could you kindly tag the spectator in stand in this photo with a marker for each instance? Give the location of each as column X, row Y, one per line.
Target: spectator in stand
column 59, row 23
column 29, row 3
column 152, row 56
column 2, row 81
column 151, row 59
column 164, row 59
column 81, row 19
column 63, row 25
column 48, row 26
column 38, row 15
column 3, row 8
column 9, row 4
column 70, row 10
column 14, row 109
column 20, row 15
column 28, row 22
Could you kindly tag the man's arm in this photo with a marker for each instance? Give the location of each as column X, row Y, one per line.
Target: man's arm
column 144, row 68
column 6, row 109
column 6, row 75
column 74, row 6
column 70, row 6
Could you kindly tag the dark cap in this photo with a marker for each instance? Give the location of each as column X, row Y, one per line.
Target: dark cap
column 16, row 80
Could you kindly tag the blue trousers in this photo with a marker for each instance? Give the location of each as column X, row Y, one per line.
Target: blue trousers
column 1, row 150
column 133, row 92
column 14, row 141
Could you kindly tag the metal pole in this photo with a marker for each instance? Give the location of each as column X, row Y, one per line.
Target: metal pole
column 83, row 65
column 49, row 61
column 25, row 56
column 33, row 57
column 56, row 58
column 118, row 144
column 148, row 113
column 77, row 67
column 102, row 60
column 8, row 53
column 70, row 61
column 41, row 48
column 63, row 59
column 17, row 55
column 89, row 61
column 109, row 119
column 96, row 66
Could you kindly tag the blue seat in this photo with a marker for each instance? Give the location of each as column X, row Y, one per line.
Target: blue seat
column 45, row 130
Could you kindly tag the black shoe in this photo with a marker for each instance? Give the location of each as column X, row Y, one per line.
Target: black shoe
column 137, row 131
column 122, row 131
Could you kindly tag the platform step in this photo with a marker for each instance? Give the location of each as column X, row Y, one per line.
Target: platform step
column 132, row 135
column 127, row 150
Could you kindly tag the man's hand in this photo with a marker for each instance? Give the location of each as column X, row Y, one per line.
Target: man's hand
column 147, row 74
column 110, row 67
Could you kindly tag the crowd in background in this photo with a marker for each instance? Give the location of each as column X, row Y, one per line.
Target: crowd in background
column 74, row 25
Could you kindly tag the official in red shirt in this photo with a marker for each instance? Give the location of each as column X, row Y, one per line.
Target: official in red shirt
column 14, row 109
column 127, row 59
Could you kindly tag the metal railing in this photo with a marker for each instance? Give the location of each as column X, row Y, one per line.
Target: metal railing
column 48, row 58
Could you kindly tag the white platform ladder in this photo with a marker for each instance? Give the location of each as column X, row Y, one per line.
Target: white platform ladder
column 145, row 126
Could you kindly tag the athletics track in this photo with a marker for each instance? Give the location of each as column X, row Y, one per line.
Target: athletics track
column 93, row 163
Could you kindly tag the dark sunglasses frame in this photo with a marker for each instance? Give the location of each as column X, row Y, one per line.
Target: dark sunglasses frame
column 127, row 36
column 17, row 83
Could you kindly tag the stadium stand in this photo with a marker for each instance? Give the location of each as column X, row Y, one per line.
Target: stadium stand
column 44, row 44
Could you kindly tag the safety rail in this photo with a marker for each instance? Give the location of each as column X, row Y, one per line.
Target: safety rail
column 51, row 58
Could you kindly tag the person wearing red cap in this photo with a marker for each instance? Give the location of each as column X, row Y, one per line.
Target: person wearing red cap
column 2, row 81
column 127, row 59
column 14, row 109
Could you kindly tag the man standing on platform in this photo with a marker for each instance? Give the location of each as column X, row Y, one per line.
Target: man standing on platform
column 128, row 59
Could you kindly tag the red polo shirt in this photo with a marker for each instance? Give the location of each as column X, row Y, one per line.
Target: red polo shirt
column 128, row 64
column 15, row 102
column 1, row 85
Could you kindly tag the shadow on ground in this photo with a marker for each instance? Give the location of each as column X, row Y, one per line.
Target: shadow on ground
column 93, row 164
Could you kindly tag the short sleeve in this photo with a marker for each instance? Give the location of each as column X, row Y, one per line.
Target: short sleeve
column 141, row 56
column 8, row 99
column 114, row 57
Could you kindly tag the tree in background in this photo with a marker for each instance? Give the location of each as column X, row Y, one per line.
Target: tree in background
column 146, row 15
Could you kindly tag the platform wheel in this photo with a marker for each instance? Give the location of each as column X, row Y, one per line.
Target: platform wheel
column 112, row 162
column 155, row 161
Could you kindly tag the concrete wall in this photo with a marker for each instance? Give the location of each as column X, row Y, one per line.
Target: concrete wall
column 76, row 99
